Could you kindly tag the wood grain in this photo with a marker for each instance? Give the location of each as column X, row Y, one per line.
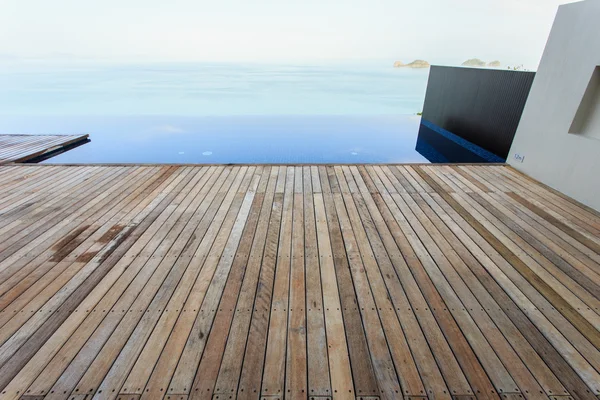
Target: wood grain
column 295, row 282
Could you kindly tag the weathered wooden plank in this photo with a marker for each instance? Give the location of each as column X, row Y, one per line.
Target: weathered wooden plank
column 383, row 364
column 76, row 341
column 107, row 259
column 231, row 363
column 145, row 364
column 207, row 372
column 503, row 259
column 60, row 336
column 273, row 380
column 19, row 148
column 402, row 357
column 185, row 271
column 157, row 259
column 417, row 255
column 318, row 364
column 251, row 373
column 389, row 282
column 333, row 257
column 296, row 378
column 339, row 360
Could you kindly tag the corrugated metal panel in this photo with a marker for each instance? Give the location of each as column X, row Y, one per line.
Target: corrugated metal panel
column 483, row 106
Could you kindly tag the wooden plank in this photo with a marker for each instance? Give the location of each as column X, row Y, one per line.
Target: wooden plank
column 251, row 373
column 318, row 364
column 68, row 252
column 273, row 380
column 207, row 372
column 19, row 148
column 231, row 363
column 571, row 262
column 37, row 364
column 296, row 379
column 118, row 325
column 211, row 224
column 389, row 282
column 402, row 357
column 583, row 220
column 86, row 306
column 34, row 322
column 103, row 262
column 51, row 222
column 339, row 360
column 181, row 272
column 562, row 299
column 145, row 364
column 572, row 251
column 416, row 254
column 554, row 269
column 549, row 381
column 388, row 255
column 383, row 364
column 333, row 257
column 488, row 314
column 589, row 247
column 550, row 295
column 491, row 245
column 148, row 357
column 585, row 213
column 487, row 257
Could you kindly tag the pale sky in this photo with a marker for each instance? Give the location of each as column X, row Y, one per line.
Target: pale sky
column 440, row 31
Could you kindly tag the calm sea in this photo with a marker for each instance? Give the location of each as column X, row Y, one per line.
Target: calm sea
column 165, row 112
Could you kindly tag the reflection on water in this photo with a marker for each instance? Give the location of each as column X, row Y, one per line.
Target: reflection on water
column 234, row 139
column 440, row 146
column 254, row 139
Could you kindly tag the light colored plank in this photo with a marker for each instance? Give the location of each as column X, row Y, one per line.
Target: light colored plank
column 273, row 380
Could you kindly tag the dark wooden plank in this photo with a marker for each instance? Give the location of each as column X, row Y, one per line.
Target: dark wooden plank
column 249, row 386
column 362, row 368
column 383, row 364
column 408, row 243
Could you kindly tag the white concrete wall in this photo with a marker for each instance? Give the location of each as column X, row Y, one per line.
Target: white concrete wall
column 568, row 162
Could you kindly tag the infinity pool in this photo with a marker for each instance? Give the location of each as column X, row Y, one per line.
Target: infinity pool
column 235, row 139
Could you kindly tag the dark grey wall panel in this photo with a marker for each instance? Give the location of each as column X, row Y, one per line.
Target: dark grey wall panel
column 483, row 106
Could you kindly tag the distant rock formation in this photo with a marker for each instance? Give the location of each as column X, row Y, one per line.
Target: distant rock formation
column 494, row 64
column 414, row 64
column 474, row 62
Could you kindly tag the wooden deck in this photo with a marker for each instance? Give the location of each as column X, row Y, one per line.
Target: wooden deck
column 20, row 148
column 272, row 282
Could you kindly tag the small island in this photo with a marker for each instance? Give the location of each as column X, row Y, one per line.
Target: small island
column 414, row 64
column 474, row 62
column 477, row 63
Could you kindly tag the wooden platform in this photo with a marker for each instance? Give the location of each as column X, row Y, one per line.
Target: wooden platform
column 299, row 282
column 20, row 148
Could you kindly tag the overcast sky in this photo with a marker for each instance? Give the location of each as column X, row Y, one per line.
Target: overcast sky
column 440, row 31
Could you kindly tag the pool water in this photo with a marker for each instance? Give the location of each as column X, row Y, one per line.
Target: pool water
column 233, row 139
